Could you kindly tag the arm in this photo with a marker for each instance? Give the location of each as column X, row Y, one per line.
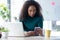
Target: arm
column 40, row 24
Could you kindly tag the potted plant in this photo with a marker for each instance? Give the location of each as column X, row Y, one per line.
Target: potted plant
column 4, row 32
column 4, row 12
column 0, row 33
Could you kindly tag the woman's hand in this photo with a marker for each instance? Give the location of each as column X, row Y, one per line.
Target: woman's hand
column 30, row 33
column 39, row 31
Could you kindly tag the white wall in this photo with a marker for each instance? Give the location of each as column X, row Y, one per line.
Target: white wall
column 16, row 6
column 49, row 11
column 57, row 22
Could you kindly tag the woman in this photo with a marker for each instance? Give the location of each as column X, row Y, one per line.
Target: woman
column 31, row 17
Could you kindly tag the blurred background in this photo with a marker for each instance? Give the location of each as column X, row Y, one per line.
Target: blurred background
column 12, row 8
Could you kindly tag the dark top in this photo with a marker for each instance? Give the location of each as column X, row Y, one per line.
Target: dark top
column 31, row 22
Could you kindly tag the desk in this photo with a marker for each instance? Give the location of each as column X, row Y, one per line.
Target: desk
column 31, row 38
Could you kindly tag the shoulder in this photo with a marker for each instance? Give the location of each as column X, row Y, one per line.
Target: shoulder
column 21, row 20
column 40, row 18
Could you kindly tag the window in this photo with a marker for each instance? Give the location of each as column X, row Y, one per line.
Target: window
column 16, row 6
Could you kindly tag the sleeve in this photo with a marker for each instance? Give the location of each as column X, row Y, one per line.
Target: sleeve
column 20, row 20
column 24, row 27
column 40, row 23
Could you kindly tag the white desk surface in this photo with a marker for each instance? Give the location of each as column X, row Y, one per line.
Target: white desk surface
column 31, row 38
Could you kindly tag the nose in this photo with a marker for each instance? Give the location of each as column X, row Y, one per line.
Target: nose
column 32, row 13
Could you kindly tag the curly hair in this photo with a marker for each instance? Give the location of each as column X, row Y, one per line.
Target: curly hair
column 24, row 11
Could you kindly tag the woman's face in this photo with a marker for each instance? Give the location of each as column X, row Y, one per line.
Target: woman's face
column 31, row 10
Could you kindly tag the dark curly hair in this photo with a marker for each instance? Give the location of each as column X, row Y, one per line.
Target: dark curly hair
column 24, row 11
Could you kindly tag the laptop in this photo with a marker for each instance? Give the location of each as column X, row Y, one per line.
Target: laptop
column 15, row 28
